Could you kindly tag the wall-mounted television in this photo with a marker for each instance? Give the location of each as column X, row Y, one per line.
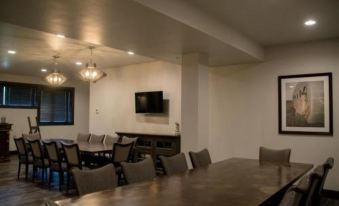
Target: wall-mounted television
column 149, row 102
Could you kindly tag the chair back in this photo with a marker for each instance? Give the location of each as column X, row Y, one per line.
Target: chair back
column 174, row 164
column 96, row 139
column 327, row 166
column 110, row 140
column 83, row 137
column 139, row 171
column 315, row 182
column 72, row 155
column 36, row 149
column 121, row 152
column 31, row 137
column 53, row 155
column 295, row 194
column 21, row 146
column 274, row 156
column 88, row 181
column 200, row 159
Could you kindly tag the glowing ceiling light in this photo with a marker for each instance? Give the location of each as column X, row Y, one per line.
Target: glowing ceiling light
column 90, row 72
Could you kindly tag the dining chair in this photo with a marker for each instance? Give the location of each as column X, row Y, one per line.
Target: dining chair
column 73, row 160
column 267, row 155
column 82, row 137
column 96, row 139
column 200, row 159
column 39, row 160
column 174, row 164
column 139, row 171
column 120, row 153
column 31, row 137
column 326, row 166
column 315, row 182
column 128, row 140
column 110, row 140
column 296, row 193
column 89, row 181
column 55, row 162
column 24, row 157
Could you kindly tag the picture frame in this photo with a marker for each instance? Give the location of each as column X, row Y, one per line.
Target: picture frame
column 306, row 104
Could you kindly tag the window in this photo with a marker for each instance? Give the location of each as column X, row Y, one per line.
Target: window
column 19, row 95
column 55, row 105
column 1, row 95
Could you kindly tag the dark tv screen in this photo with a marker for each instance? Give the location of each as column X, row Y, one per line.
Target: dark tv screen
column 149, row 102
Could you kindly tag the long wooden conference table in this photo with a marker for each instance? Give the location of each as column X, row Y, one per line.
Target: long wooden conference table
column 233, row 182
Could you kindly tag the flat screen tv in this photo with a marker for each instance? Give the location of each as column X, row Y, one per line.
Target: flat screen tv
column 149, row 102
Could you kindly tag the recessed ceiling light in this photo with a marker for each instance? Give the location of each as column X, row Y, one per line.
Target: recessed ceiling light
column 60, row 36
column 43, row 70
column 11, row 52
column 78, row 63
column 130, row 53
column 310, row 22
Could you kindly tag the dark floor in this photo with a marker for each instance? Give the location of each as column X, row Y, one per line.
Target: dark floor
column 20, row 192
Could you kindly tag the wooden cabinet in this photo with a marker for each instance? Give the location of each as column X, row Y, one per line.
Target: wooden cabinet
column 155, row 144
column 4, row 142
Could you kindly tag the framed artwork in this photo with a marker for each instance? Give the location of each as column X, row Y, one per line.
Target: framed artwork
column 305, row 104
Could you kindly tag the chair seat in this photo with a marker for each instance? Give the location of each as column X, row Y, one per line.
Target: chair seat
column 55, row 166
column 25, row 160
column 38, row 163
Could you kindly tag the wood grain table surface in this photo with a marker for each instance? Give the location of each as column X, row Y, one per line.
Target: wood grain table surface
column 233, row 182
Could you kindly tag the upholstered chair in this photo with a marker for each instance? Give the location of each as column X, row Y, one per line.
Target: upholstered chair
column 55, row 162
column 96, row 139
column 73, row 159
column 82, row 137
column 200, row 159
column 24, row 158
column 39, row 161
column 174, row 164
column 110, row 140
column 267, row 155
column 88, row 181
column 139, row 171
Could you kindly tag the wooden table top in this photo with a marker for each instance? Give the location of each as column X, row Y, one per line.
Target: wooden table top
column 233, row 182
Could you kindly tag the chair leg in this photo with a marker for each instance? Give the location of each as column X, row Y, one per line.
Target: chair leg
column 50, row 179
column 68, row 181
column 19, row 169
column 26, row 171
column 61, row 179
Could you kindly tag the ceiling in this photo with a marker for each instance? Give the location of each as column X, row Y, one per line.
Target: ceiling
column 228, row 31
column 35, row 50
column 273, row 22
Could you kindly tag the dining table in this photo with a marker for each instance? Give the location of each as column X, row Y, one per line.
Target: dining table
column 231, row 182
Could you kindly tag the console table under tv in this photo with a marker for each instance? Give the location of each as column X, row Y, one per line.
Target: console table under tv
column 154, row 144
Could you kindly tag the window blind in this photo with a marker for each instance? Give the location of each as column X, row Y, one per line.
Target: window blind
column 1, row 94
column 56, row 106
column 19, row 95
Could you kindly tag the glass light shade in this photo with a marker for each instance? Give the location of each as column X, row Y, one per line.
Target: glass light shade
column 91, row 73
column 56, row 79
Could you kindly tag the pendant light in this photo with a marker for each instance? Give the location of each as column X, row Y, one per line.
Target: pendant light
column 55, row 79
column 91, row 73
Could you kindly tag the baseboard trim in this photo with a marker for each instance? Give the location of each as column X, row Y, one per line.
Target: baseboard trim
column 331, row 194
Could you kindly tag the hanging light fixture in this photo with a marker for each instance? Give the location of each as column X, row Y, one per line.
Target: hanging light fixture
column 91, row 73
column 55, row 78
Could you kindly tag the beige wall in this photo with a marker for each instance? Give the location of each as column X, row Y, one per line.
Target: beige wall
column 244, row 106
column 18, row 117
column 112, row 106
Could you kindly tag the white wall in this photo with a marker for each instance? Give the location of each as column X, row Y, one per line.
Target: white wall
column 112, row 106
column 244, row 106
column 18, row 117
